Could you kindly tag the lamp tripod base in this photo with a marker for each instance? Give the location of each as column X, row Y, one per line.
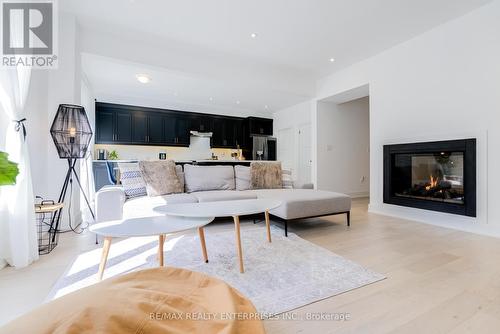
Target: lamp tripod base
column 56, row 218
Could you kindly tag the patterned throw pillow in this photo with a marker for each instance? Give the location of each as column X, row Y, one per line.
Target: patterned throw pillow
column 131, row 179
column 286, row 178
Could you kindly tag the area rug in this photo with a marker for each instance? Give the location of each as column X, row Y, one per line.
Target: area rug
column 279, row 276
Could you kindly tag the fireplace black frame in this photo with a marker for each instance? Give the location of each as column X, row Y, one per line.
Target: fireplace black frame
column 466, row 146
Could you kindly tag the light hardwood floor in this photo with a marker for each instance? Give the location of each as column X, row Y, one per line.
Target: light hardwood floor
column 438, row 280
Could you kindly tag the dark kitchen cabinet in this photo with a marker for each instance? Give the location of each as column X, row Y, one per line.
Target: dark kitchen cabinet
column 105, row 126
column 240, row 133
column 123, row 127
column 201, row 123
column 139, row 128
column 131, row 125
column 176, row 130
column 224, row 132
column 260, row 126
column 182, row 130
column 155, row 128
column 169, row 129
column 147, row 128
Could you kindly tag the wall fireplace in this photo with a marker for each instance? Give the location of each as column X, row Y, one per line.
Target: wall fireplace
column 437, row 176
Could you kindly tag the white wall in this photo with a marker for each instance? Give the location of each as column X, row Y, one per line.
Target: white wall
column 343, row 159
column 287, row 122
column 443, row 84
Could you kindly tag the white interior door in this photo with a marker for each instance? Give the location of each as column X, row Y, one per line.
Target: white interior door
column 304, row 154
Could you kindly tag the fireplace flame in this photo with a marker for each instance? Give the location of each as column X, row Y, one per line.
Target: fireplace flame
column 433, row 183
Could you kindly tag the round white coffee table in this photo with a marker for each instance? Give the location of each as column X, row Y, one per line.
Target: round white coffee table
column 148, row 226
column 233, row 209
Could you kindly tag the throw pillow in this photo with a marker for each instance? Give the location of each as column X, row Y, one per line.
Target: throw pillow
column 160, row 177
column 242, row 177
column 286, row 178
column 203, row 178
column 266, row 175
column 131, row 179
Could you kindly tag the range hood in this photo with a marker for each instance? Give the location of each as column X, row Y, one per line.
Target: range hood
column 201, row 134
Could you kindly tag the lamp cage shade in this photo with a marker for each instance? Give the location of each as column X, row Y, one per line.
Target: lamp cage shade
column 71, row 131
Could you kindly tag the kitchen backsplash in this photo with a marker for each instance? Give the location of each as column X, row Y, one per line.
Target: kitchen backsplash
column 138, row 152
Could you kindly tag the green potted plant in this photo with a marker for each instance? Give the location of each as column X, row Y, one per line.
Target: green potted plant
column 113, row 155
column 8, row 170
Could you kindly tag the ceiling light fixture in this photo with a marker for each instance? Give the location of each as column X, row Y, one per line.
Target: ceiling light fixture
column 211, row 98
column 332, row 60
column 266, row 107
column 237, row 102
column 253, row 35
column 143, row 78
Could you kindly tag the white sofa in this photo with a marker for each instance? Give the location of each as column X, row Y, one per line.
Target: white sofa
column 297, row 203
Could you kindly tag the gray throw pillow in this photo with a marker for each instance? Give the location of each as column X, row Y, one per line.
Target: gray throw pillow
column 203, row 178
column 242, row 177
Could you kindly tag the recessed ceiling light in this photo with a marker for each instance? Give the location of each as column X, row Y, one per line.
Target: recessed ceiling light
column 266, row 107
column 237, row 102
column 143, row 78
column 211, row 98
column 253, row 35
column 332, row 60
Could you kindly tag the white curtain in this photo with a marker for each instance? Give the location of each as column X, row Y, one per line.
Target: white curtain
column 18, row 239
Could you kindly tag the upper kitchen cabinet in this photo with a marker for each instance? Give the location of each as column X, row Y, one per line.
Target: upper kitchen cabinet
column 241, row 133
column 105, row 126
column 201, row 123
column 175, row 129
column 260, row 126
column 113, row 125
column 224, row 132
column 182, row 128
column 131, row 125
column 140, row 128
column 155, row 128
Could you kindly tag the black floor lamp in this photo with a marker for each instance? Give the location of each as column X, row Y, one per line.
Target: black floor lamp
column 71, row 133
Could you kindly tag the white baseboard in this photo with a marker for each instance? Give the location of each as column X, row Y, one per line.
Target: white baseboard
column 455, row 222
column 359, row 194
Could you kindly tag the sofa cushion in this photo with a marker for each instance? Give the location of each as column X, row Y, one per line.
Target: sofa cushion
column 202, row 178
column 301, row 203
column 143, row 206
column 131, row 179
column 222, row 195
column 242, row 177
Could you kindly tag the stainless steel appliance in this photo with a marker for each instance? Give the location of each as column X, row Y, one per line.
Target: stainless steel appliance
column 263, row 148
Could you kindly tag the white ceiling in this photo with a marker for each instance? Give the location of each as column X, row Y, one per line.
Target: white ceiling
column 295, row 40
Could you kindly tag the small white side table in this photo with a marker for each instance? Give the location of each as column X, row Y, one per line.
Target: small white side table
column 148, row 226
column 233, row 209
